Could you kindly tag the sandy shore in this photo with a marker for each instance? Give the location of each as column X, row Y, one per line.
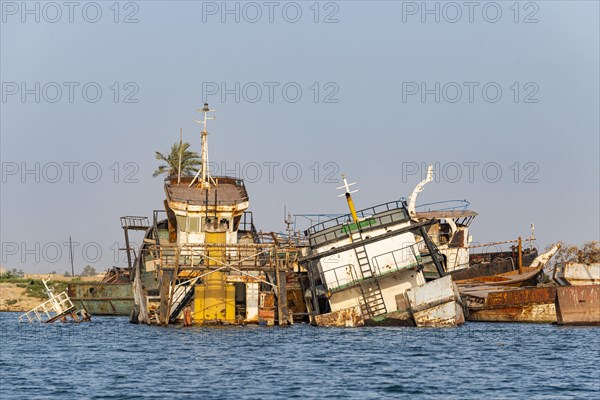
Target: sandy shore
column 14, row 298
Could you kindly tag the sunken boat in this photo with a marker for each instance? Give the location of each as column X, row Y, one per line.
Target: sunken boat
column 205, row 263
column 201, row 260
column 361, row 266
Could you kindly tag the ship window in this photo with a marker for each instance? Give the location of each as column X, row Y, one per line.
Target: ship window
column 181, row 223
column 236, row 222
column 224, row 223
column 194, row 224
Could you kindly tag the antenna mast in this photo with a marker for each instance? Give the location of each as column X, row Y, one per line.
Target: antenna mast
column 348, row 195
column 204, row 138
column 288, row 221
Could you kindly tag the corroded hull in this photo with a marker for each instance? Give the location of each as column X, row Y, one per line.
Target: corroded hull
column 578, row 305
column 543, row 313
column 577, row 274
column 446, row 314
column 513, row 305
column 436, row 304
column 103, row 298
column 348, row 317
column 528, row 277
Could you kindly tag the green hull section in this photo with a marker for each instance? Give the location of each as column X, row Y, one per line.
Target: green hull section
column 103, row 298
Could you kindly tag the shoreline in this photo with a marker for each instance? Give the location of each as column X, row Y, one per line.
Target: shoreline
column 15, row 294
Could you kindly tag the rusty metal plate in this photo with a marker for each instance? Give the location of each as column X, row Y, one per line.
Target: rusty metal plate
column 521, row 297
column 348, row 317
column 578, row 305
column 542, row 313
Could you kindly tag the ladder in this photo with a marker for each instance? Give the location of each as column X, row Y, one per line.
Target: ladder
column 371, row 301
column 182, row 295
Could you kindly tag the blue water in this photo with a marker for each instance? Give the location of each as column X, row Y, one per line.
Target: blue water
column 113, row 359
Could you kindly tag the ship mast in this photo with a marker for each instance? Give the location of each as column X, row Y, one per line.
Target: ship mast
column 349, row 200
column 205, row 178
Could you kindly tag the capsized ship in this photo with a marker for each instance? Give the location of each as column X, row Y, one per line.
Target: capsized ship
column 361, row 266
column 397, row 264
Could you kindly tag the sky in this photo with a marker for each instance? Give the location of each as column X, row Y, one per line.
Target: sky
column 501, row 97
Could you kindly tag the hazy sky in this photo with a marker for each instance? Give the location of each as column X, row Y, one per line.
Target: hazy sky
column 503, row 99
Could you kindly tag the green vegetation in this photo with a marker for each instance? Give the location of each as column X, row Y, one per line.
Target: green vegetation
column 13, row 273
column 190, row 161
column 588, row 253
column 89, row 271
column 34, row 287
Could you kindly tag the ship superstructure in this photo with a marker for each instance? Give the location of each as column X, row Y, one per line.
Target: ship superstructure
column 362, row 263
column 206, row 260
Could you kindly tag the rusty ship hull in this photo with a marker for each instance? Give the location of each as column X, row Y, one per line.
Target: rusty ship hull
column 103, row 298
column 531, row 304
column 578, row 305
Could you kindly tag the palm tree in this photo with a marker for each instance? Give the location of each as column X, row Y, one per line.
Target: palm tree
column 190, row 161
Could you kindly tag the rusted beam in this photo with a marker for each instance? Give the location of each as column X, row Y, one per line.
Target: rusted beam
column 520, row 250
column 281, row 298
column 127, row 249
column 173, row 284
column 164, row 285
column 243, row 267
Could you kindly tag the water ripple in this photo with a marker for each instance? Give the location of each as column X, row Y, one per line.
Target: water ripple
column 112, row 359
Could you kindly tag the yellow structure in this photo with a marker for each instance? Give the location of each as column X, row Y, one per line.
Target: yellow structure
column 348, row 195
column 214, row 299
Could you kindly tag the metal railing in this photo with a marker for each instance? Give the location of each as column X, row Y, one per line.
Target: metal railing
column 247, row 224
column 383, row 216
column 134, row 222
column 352, row 277
column 50, row 309
column 364, row 213
column 398, row 264
column 450, row 205
column 212, row 256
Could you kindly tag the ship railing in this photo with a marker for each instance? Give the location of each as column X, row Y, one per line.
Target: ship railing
column 403, row 258
column 49, row 310
column 377, row 220
column 449, row 205
column 130, row 221
column 155, row 220
column 364, row 213
column 347, row 275
column 200, row 256
column 284, row 239
column 302, row 222
column 340, row 278
column 444, row 205
column 247, row 224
